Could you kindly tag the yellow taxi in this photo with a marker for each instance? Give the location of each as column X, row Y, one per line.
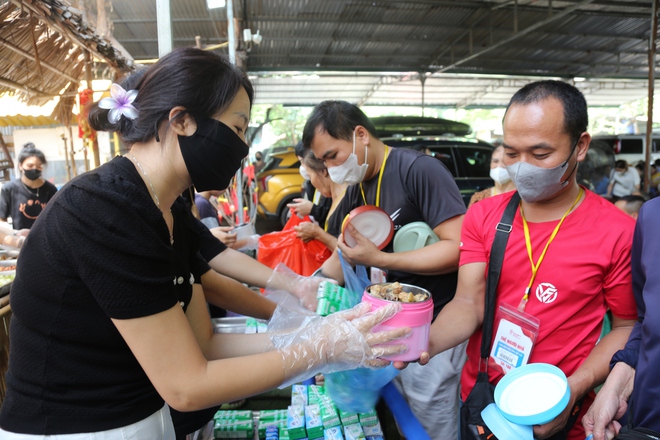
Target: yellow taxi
column 279, row 183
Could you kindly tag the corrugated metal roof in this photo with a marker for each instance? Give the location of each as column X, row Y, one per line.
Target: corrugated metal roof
column 460, row 38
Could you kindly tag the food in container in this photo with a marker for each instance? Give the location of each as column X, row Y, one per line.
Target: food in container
column 415, row 314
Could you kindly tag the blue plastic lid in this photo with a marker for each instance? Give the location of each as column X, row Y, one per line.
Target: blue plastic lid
column 413, row 236
column 503, row 428
column 533, row 394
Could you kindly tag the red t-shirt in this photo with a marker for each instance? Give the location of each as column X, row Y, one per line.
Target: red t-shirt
column 586, row 270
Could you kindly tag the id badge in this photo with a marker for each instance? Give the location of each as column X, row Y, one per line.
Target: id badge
column 514, row 340
column 378, row 276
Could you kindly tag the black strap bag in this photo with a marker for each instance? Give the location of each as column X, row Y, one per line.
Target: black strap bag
column 472, row 425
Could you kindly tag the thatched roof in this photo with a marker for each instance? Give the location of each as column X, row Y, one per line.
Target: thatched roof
column 42, row 49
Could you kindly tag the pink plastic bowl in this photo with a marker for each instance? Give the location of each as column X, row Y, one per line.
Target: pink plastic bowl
column 416, row 315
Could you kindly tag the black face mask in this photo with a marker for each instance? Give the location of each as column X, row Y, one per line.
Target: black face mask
column 32, row 174
column 212, row 155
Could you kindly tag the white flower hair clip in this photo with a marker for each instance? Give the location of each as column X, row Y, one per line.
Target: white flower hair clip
column 120, row 103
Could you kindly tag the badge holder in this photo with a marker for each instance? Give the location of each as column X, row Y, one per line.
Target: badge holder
column 514, row 340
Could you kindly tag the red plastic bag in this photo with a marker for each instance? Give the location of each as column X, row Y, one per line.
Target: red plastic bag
column 284, row 247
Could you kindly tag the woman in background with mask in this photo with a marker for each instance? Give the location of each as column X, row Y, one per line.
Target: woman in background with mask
column 499, row 175
column 327, row 231
column 23, row 199
column 110, row 326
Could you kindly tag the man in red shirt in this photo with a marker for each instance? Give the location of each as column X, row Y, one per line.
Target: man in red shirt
column 578, row 243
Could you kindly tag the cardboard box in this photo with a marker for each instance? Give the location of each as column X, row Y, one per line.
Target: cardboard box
column 295, row 422
column 228, row 428
column 369, row 418
column 354, row 432
column 313, row 422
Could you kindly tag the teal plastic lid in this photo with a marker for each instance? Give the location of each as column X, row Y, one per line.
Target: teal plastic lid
column 533, row 394
column 503, row 428
column 414, row 236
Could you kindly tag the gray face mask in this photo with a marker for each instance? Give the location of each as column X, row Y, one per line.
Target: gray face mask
column 535, row 184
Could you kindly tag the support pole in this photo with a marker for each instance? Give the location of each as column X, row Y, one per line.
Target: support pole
column 94, row 143
column 231, row 32
column 649, row 123
column 164, row 23
column 66, row 158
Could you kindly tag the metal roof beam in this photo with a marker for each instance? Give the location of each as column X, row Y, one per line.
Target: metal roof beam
column 522, row 33
column 375, row 87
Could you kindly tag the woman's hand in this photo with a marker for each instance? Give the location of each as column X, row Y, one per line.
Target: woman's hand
column 223, row 233
column 340, row 341
column 301, row 207
column 307, row 231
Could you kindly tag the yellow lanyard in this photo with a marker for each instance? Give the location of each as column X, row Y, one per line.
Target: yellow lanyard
column 380, row 179
column 528, row 244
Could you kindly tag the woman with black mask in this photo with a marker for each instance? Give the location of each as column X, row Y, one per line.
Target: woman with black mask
column 23, row 199
column 110, row 326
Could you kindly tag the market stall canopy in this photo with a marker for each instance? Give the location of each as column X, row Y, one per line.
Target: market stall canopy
column 42, row 49
column 26, row 121
column 376, row 52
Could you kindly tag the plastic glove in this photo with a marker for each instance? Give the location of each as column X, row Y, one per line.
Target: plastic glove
column 303, row 288
column 251, row 243
column 341, row 341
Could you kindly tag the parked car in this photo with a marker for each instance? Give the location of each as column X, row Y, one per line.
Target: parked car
column 467, row 159
column 279, row 182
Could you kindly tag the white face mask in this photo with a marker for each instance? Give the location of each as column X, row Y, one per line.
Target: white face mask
column 304, row 173
column 500, row 175
column 350, row 172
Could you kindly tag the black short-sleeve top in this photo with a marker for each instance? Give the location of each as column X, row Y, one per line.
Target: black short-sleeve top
column 414, row 187
column 100, row 250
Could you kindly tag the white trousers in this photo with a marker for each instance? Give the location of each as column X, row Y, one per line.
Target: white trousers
column 432, row 392
column 157, row 426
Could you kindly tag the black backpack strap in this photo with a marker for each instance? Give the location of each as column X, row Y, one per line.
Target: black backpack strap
column 503, row 228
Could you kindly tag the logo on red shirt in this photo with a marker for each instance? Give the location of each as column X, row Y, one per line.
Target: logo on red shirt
column 546, row 293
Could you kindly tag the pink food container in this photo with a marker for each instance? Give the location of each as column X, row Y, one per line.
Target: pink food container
column 416, row 315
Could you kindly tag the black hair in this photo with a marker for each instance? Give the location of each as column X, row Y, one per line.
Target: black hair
column 201, row 81
column 299, row 149
column 338, row 119
column 576, row 118
column 258, row 155
column 29, row 151
column 619, row 164
column 657, row 163
column 310, row 161
column 633, row 203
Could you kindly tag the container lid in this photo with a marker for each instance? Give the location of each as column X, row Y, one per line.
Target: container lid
column 533, row 394
column 413, row 236
column 370, row 221
column 503, row 428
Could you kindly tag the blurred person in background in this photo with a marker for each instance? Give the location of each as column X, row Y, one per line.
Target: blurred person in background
column 328, row 231
column 258, row 162
column 24, row 198
column 624, row 181
column 630, row 204
column 313, row 203
column 500, row 176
